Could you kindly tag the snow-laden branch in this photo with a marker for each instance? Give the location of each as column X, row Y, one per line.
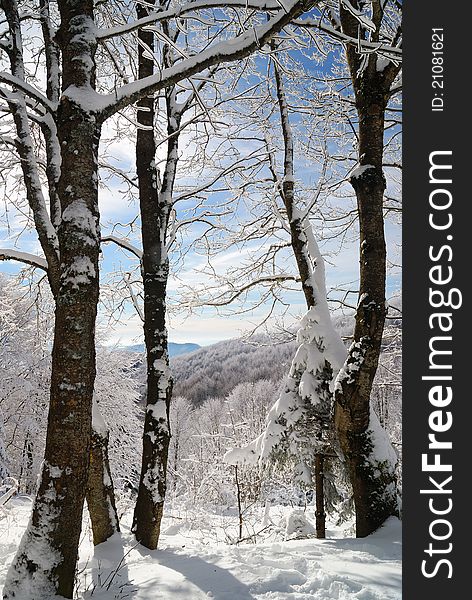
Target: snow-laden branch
column 24, row 257
column 363, row 19
column 27, row 89
column 123, row 244
column 227, row 51
column 181, row 12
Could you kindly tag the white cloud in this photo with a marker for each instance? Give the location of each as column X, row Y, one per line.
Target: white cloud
column 203, row 329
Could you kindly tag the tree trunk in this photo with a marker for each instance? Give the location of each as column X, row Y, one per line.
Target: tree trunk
column 154, row 205
column 26, row 480
column 240, row 506
column 47, row 556
column 374, row 494
column 3, row 454
column 46, row 559
column 100, row 493
column 320, row 515
column 373, row 480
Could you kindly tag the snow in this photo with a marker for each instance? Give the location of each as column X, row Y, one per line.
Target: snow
column 31, row 545
column 356, row 358
column 298, row 526
column 81, row 218
column 161, row 366
column 81, row 271
column 192, row 563
column 54, row 471
column 98, row 423
column 383, row 449
column 24, row 257
column 358, row 171
column 158, row 410
column 382, row 63
column 151, row 480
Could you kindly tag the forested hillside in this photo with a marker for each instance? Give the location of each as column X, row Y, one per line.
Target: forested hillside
column 215, row 370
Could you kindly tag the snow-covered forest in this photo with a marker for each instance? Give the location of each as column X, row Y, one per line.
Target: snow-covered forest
column 200, row 171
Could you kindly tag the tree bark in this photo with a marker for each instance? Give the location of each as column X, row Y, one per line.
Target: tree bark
column 26, row 480
column 47, row 229
column 100, row 493
column 373, row 482
column 240, row 506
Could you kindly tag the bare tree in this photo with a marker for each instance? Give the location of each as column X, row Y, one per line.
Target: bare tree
column 46, row 559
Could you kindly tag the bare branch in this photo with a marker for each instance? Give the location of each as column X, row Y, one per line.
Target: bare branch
column 27, row 89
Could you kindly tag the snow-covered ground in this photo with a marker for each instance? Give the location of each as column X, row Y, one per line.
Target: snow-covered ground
column 194, row 562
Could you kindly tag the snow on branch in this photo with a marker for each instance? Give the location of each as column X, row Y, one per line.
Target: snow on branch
column 359, row 15
column 124, row 244
column 24, row 257
column 27, row 89
column 226, row 51
column 181, row 12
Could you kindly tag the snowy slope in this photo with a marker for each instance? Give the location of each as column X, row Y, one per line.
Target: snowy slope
column 190, row 567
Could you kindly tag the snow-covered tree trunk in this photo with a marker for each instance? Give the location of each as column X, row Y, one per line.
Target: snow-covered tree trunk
column 155, row 203
column 364, row 444
column 100, row 493
column 46, row 224
column 47, row 556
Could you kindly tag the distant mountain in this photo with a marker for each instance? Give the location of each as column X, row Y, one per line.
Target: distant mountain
column 174, row 348
column 214, row 371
